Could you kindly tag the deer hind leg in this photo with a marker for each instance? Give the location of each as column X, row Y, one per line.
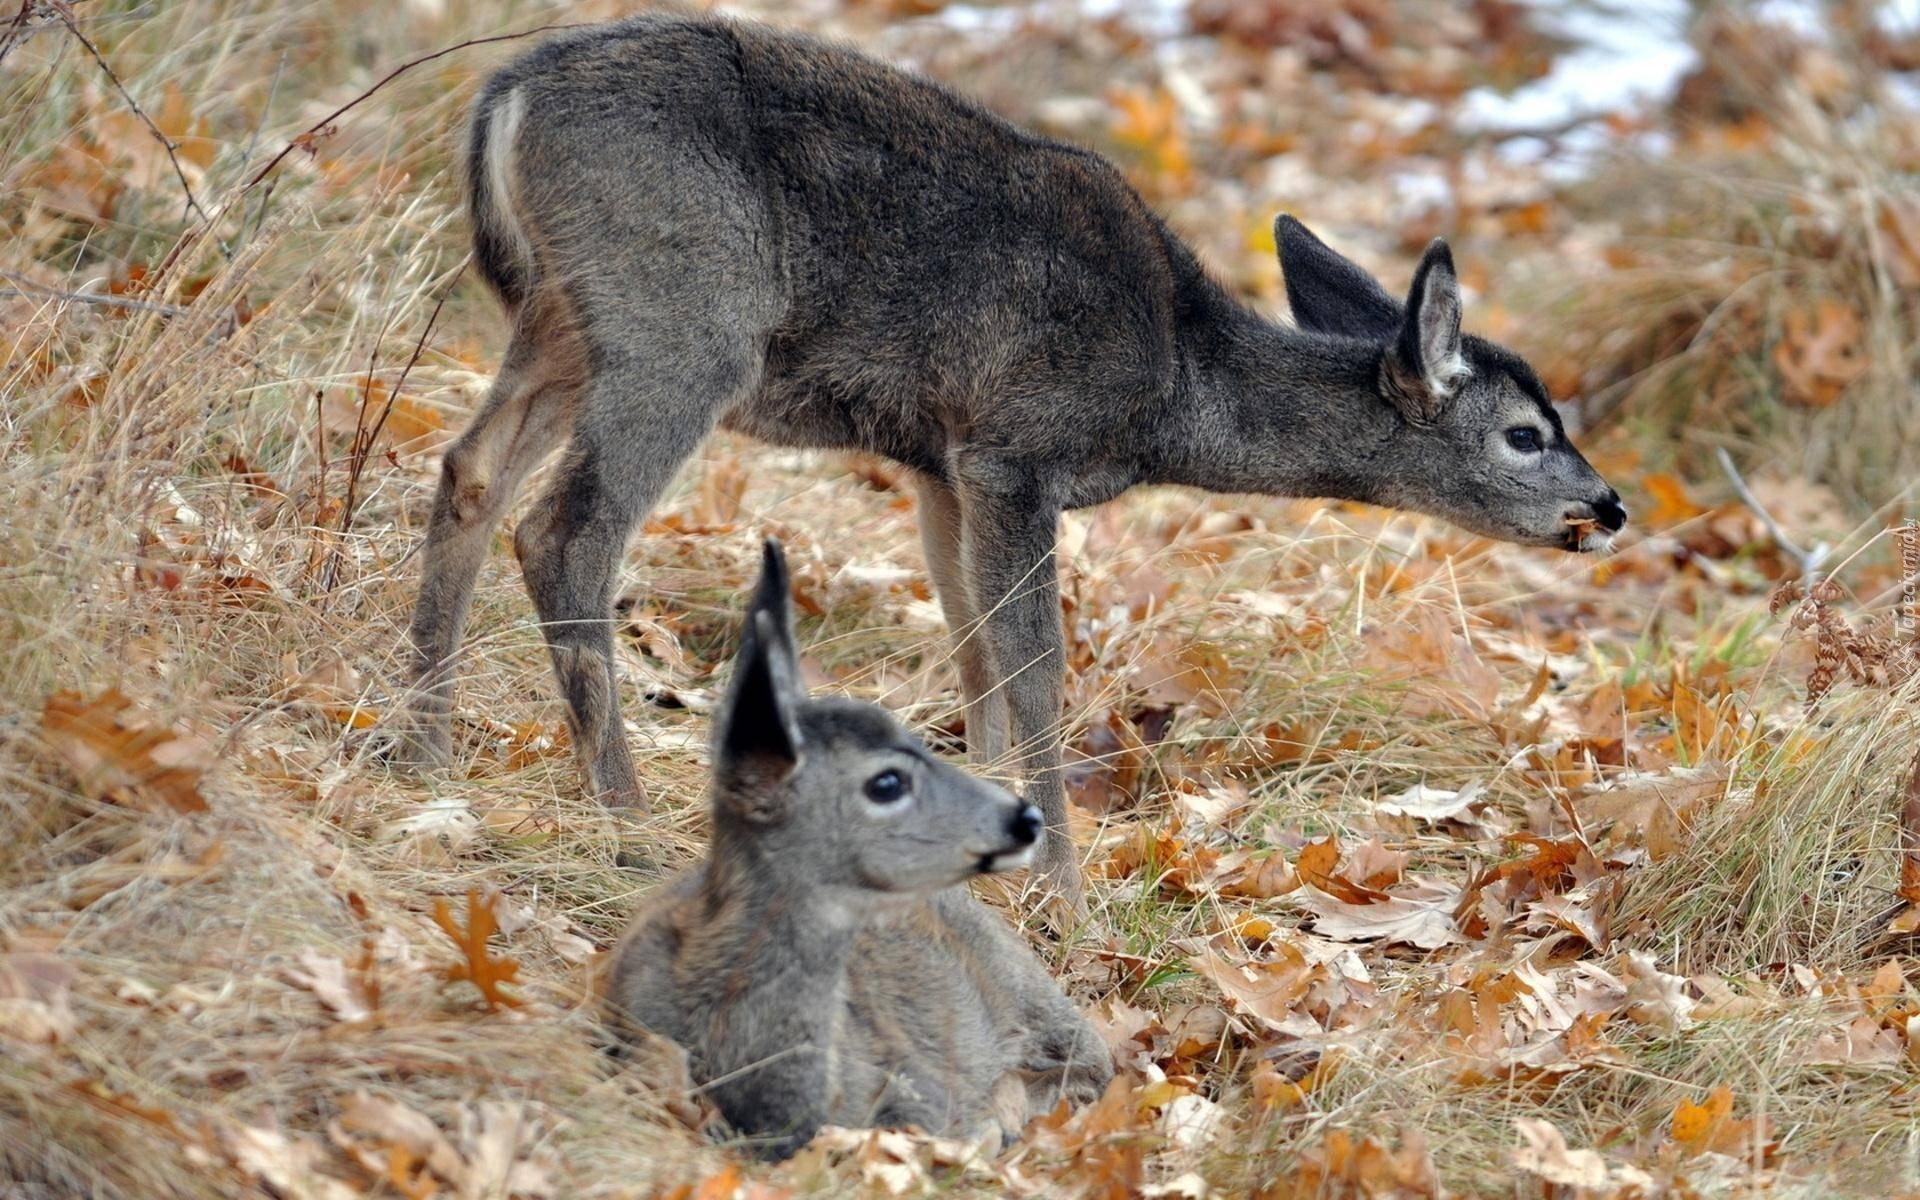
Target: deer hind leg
column 941, row 523
column 653, row 396
column 1009, row 533
column 522, row 422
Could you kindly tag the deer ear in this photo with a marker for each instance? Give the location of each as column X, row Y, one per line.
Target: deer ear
column 1327, row 292
column 1426, row 359
column 757, row 743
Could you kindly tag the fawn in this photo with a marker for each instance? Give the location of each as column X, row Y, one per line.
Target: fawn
column 825, row 964
column 699, row 221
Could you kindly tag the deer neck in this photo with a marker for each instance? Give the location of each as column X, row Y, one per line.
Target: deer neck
column 1277, row 411
column 784, row 933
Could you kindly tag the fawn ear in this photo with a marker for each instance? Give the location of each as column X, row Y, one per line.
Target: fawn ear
column 758, row 740
column 1427, row 364
column 1328, row 293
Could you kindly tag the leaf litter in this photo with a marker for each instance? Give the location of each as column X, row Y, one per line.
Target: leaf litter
column 1375, row 840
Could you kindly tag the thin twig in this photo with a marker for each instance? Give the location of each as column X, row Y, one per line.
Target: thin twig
column 253, row 143
column 357, row 447
column 1809, row 560
column 166, row 143
column 419, row 347
column 363, row 447
column 306, row 137
column 14, row 26
column 33, row 290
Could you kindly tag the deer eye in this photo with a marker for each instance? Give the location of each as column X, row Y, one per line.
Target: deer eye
column 886, row 788
column 1524, row 438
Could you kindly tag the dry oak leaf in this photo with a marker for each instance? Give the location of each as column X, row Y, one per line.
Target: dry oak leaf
column 1671, row 503
column 1547, row 1155
column 1265, row 990
column 1273, row 1090
column 116, row 759
column 1819, row 353
column 1711, row 1126
column 1316, row 866
column 35, row 998
column 726, row 1184
column 346, row 996
column 481, row 969
column 286, row 1165
column 1423, row 803
column 405, row 1149
column 1422, row 916
column 1343, row 1167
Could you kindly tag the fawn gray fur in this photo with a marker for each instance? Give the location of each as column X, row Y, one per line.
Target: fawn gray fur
column 825, row 964
column 699, row 221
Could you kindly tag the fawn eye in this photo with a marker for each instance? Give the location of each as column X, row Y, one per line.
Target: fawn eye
column 886, row 787
column 1524, row 438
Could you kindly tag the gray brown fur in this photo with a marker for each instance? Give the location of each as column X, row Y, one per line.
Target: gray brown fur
column 825, row 964
column 698, row 221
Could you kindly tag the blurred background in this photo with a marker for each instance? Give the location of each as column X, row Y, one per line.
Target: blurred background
column 236, row 328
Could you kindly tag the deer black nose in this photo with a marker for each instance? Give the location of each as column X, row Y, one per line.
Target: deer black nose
column 1026, row 824
column 1611, row 514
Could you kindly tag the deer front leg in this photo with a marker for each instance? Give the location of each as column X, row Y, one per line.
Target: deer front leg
column 1010, row 525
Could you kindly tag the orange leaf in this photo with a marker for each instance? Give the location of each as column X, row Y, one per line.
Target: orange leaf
column 1671, row 504
column 353, row 716
column 114, row 759
column 481, row 969
column 1317, row 860
column 1266, row 990
column 1149, row 123
column 1272, row 1090
column 1819, row 353
column 1698, row 1126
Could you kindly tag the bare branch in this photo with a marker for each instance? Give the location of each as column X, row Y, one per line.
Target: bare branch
column 363, row 443
column 306, row 136
column 166, row 143
column 23, row 288
column 14, row 28
column 1810, row 561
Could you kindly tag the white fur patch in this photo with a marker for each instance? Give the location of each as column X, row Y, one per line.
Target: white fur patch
column 1446, row 376
column 502, row 132
column 1011, row 862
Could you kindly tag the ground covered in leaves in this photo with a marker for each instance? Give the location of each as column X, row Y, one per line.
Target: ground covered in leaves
column 1420, row 866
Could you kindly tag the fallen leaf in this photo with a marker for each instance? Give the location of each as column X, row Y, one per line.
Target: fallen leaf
column 1424, row 920
column 1819, row 353
column 1423, row 803
column 287, row 1165
column 1671, row 504
column 35, row 999
column 1266, row 990
column 116, row 758
column 1546, row 1154
column 327, row 978
column 1342, row 1165
column 489, row 974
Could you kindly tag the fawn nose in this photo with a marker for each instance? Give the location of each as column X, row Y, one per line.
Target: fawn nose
column 1025, row 825
column 1611, row 514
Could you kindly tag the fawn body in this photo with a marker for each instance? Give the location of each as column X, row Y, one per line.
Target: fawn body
column 693, row 221
column 825, row 964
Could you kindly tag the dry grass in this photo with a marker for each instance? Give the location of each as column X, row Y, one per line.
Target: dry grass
column 1770, row 256
column 175, row 531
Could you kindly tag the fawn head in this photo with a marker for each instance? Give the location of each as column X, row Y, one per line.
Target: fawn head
column 833, row 792
column 1479, row 442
